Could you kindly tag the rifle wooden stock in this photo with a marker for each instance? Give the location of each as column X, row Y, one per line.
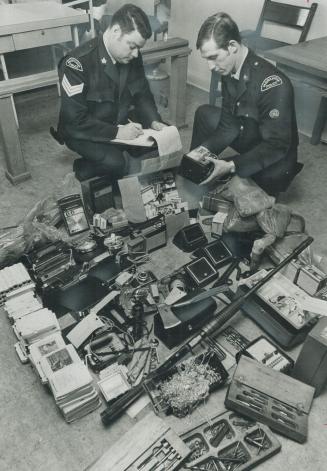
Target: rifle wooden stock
column 118, row 407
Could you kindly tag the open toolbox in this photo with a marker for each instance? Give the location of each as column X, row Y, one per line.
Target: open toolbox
column 229, row 442
column 276, row 307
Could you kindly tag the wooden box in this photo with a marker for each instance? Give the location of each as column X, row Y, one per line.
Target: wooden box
column 275, row 399
column 148, row 445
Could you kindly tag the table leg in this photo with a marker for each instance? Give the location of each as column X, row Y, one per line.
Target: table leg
column 177, row 94
column 6, row 76
column 16, row 171
column 91, row 18
column 320, row 122
column 54, row 59
column 75, row 36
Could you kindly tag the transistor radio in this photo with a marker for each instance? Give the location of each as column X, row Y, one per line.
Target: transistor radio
column 154, row 232
column 194, row 165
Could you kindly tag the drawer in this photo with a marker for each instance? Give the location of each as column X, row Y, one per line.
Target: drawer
column 6, row 44
column 42, row 37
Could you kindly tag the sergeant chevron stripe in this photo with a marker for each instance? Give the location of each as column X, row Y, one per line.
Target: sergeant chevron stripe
column 71, row 90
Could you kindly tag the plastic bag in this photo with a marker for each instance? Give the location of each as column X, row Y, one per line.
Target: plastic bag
column 235, row 223
column 37, row 227
column 12, row 245
column 248, row 197
column 259, row 246
column 275, row 220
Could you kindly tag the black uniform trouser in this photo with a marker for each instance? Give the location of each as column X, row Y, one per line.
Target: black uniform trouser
column 206, row 120
column 113, row 160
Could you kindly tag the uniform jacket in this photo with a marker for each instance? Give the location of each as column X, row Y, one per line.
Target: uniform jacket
column 258, row 120
column 97, row 95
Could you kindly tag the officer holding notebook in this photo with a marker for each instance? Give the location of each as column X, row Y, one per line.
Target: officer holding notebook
column 101, row 81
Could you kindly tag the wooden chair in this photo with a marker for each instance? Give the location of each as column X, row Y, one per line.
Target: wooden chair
column 292, row 17
column 86, row 5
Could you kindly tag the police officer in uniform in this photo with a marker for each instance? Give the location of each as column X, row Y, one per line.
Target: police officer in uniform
column 101, row 81
column 257, row 118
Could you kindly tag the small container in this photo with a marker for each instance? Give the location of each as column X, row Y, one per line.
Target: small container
column 153, row 386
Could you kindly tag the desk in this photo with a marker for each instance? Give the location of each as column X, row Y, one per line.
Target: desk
column 24, row 26
column 306, row 62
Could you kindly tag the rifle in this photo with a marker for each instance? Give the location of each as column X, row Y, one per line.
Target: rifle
column 117, row 407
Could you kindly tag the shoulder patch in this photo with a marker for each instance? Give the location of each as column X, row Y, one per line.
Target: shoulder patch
column 70, row 89
column 74, row 63
column 271, row 82
column 274, row 113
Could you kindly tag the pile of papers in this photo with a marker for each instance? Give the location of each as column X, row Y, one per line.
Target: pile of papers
column 70, row 382
column 160, row 196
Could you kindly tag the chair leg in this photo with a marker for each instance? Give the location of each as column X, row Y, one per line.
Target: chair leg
column 320, row 122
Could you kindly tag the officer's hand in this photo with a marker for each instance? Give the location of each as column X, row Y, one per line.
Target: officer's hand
column 157, row 125
column 129, row 131
column 221, row 168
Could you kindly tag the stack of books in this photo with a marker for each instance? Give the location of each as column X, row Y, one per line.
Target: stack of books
column 14, row 280
column 70, row 382
column 33, row 327
column 44, row 347
column 21, row 305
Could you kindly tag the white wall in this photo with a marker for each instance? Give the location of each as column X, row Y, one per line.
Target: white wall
column 188, row 15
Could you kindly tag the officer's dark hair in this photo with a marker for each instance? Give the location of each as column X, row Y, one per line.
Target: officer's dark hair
column 130, row 18
column 220, row 27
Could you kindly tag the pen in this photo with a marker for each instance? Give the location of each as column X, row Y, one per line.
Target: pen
column 137, row 125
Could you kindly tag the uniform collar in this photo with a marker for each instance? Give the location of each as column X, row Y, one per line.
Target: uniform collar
column 104, row 54
column 237, row 74
column 110, row 66
column 107, row 62
column 250, row 61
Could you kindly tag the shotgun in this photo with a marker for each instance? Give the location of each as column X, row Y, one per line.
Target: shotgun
column 116, row 407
